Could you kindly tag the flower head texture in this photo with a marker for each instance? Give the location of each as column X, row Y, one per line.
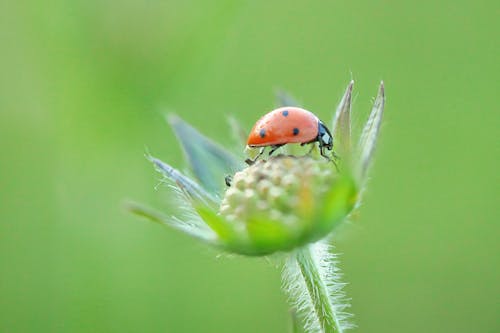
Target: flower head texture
column 284, row 203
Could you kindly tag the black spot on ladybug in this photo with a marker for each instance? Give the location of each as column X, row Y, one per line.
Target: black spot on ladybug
column 285, row 113
column 262, row 132
column 296, row 131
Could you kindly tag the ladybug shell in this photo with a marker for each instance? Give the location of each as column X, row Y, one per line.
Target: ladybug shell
column 284, row 125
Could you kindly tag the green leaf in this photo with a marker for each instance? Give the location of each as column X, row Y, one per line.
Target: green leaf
column 370, row 133
column 223, row 228
column 209, row 161
column 268, row 236
column 337, row 203
column 194, row 192
column 341, row 126
column 195, row 229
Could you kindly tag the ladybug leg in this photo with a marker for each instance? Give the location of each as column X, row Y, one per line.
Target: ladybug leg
column 274, row 149
column 310, row 150
column 335, row 156
column 250, row 161
column 322, row 151
column 228, row 179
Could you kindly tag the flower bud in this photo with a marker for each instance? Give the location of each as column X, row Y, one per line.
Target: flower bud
column 284, row 202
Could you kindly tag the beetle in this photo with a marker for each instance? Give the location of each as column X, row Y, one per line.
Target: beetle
column 289, row 125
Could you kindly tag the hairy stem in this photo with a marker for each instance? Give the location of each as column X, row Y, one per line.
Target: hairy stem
column 318, row 291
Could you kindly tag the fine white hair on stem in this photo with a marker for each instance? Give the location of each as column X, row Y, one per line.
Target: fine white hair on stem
column 299, row 294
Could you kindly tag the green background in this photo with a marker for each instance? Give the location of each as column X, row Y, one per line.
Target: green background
column 83, row 89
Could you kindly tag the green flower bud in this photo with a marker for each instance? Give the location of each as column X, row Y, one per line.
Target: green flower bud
column 283, row 203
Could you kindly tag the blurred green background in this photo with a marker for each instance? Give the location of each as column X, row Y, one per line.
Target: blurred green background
column 83, row 89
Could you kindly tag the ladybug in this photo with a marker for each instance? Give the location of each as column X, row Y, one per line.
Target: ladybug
column 289, row 125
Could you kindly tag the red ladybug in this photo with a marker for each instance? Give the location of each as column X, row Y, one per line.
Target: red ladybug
column 289, row 125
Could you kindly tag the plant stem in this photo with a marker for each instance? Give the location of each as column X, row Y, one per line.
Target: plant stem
column 318, row 291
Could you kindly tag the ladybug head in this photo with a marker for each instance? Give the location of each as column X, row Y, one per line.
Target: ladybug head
column 324, row 136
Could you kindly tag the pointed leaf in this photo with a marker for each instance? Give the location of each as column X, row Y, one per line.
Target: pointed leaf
column 193, row 229
column 370, row 132
column 209, row 161
column 342, row 123
column 190, row 188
